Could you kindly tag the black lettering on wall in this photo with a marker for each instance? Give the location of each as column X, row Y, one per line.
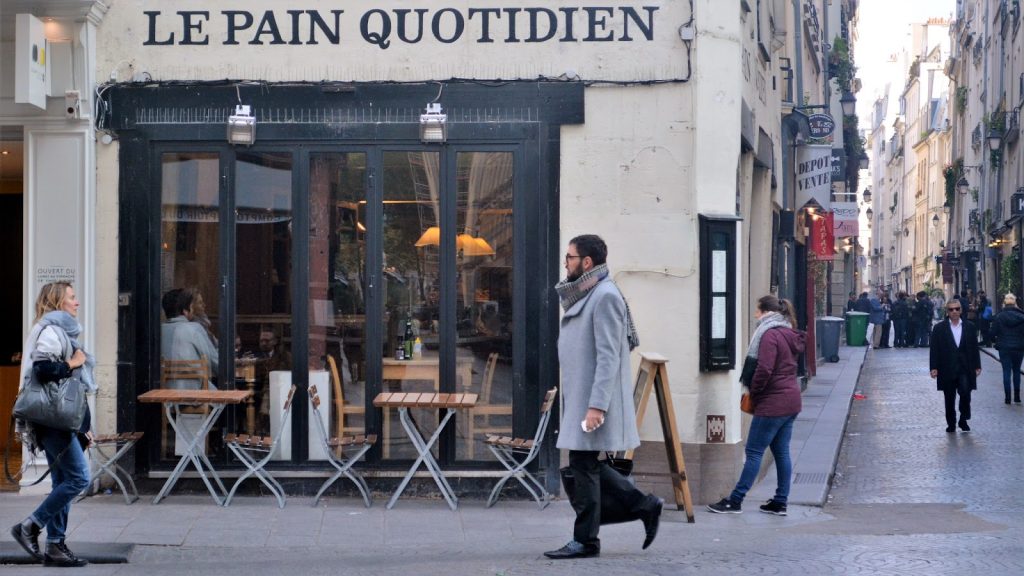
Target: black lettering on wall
column 485, row 24
column 190, row 25
column 534, row 25
column 151, row 37
column 629, row 13
column 332, row 34
column 267, row 25
column 234, row 26
column 400, row 14
column 296, row 16
column 511, row 23
column 594, row 22
column 379, row 37
column 460, row 25
column 568, row 36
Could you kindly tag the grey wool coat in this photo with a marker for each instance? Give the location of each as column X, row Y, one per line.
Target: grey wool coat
column 594, row 357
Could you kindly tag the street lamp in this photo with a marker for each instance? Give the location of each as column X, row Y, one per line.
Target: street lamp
column 864, row 162
column 867, row 195
column 870, row 214
column 962, row 185
column 935, row 221
column 995, row 139
column 946, row 209
column 848, row 103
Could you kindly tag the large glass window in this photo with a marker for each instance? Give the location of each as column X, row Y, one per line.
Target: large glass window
column 189, row 271
column 263, row 280
column 411, row 284
column 484, row 294
column 338, row 292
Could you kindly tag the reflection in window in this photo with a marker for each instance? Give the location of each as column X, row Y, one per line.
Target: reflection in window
column 263, row 257
column 189, row 265
column 337, row 291
column 484, row 293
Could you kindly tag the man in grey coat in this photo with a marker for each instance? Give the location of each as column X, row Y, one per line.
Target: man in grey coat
column 596, row 336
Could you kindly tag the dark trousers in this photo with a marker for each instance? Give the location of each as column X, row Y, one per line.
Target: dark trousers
column 924, row 332
column 963, row 388
column 603, row 496
column 985, row 327
column 885, row 334
column 899, row 326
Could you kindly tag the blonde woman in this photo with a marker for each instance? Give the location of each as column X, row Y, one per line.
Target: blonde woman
column 51, row 353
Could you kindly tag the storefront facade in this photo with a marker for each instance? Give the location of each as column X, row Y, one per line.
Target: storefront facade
column 340, row 227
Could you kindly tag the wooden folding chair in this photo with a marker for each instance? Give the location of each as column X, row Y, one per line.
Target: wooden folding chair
column 176, row 371
column 108, row 465
column 340, row 408
column 485, row 409
column 247, row 447
column 334, row 449
column 515, row 454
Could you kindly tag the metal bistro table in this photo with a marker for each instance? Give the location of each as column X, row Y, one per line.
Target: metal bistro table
column 216, row 401
column 403, row 401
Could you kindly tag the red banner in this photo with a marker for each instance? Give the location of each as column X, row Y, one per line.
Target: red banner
column 823, row 243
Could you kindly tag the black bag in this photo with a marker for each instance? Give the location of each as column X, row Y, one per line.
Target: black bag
column 58, row 405
column 613, row 511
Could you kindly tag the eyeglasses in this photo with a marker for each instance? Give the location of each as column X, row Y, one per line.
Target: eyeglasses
column 953, row 309
column 571, row 257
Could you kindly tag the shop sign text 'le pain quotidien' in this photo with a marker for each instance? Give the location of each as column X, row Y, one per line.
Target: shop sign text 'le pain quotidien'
column 384, row 26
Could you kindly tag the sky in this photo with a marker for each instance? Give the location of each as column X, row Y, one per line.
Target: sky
column 882, row 29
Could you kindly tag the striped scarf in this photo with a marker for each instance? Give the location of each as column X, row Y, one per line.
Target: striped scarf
column 572, row 292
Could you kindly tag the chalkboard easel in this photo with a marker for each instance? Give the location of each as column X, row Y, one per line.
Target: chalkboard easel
column 653, row 374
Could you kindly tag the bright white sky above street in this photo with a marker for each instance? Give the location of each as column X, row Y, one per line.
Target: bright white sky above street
column 883, row 29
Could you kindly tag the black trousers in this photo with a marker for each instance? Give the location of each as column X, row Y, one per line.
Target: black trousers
column 603, row 496
column 963, row 388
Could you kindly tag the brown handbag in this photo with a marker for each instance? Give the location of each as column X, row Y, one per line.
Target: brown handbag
column 747, row 403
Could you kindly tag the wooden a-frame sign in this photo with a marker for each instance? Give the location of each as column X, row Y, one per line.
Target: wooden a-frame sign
column 653, row 374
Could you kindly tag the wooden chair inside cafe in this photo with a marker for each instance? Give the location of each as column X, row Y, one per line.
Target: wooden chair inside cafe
column 480, row 416
column 341, row 409
column 171, row 370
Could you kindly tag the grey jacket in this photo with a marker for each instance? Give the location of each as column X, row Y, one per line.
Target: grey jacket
column 181, row 339
column 594, row 357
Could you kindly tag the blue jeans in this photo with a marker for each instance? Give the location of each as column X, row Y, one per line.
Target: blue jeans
column 1011, row 359
column 69, row 475
column 767, row 431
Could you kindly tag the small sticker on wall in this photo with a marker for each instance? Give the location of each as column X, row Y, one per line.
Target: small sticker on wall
column 716, row 429
column 47, row 274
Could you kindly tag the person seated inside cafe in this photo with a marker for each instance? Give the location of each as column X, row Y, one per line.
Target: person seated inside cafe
column 272, row 356
column 183, row 336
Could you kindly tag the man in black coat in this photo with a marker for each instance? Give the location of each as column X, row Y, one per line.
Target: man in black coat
column 955, row 363
column 922, row 317
column 901, row 321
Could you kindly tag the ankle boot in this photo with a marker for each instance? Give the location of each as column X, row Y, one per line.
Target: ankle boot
column 26, row 534
column 58, row 554
column 1016, row 395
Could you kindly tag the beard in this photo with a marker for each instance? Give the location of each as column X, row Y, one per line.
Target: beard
column 574, row 274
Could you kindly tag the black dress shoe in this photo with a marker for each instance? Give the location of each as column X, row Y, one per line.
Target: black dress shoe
column 26, row 534
column 950, row 429
column 651, row 518
column 964, row 426
column 574, row 550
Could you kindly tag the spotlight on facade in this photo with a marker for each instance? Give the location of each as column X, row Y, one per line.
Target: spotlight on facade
column 242, row 126
column 433, row 124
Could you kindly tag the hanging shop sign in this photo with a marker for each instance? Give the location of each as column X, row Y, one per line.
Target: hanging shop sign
column 822, row 242
column 1017, row 204
column 814, row 175
column 838, row 165
column 846, row 217
column 820, row 125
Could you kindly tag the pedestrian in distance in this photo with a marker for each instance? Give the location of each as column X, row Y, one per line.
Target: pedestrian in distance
column 51, row 353
column 955, row 363
column 1008, row 338
column 922, row 317
column 901, row 321
column 775, row 393
column 594, row 342
column 985, row 316
column 851, row 302
column 887, row 321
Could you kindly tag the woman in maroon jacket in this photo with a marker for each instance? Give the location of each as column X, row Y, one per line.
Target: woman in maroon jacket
column 775, row 392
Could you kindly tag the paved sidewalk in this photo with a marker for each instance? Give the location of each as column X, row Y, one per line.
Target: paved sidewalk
column 818, row 431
